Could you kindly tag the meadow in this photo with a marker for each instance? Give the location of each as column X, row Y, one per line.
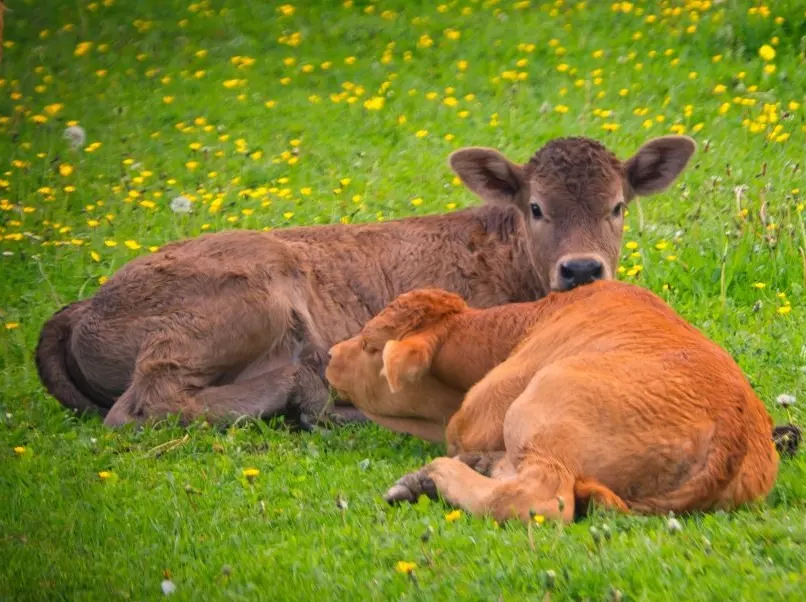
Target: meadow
column 125, row 125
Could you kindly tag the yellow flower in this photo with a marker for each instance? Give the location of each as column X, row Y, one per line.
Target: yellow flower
column 54, row 109
column 784, row 309
column 631, row 245
column 167, row 99
column 132, row 244
column 19, row 450
column 65, row 169
column 769, row 69
column 286, row 10
column 102, row 279
column 12, row 325
column 375, row 103
column 759, row 285
column 766, row 52
column 417, row 202
column 405, row 567
column 191, row 165
column 539, row 519
column 250, row 473
column 421, row 133
column 610, row 127
column 453, row 516
column 95, row 256
column 105, row 475
column 82, row 48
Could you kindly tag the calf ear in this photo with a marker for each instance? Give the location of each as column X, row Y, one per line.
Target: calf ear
column 406, row 361
column 657, row 163
column 488, row 173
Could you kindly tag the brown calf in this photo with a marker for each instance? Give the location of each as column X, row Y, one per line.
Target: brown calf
column 239, row 323
column 603, row 392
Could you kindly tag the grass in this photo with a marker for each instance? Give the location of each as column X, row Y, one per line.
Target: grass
column 347, row 113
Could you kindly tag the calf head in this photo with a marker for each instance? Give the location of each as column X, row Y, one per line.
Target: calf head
column 573, row 193
column 393, row 348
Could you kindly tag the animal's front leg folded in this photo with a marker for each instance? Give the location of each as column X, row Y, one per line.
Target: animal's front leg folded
column 410, row 487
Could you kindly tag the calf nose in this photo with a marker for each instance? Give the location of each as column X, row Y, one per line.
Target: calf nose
column 576, row 272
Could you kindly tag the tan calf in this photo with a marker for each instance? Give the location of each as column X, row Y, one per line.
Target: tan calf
column 602, row 392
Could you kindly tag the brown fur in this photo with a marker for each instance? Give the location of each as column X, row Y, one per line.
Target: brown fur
column 600, row 393
column 239, row 322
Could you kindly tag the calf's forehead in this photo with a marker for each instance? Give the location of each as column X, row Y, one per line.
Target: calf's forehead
column 580, row 170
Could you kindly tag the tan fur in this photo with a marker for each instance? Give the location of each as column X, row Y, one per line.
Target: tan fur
column 240, row 322
column 602, row 393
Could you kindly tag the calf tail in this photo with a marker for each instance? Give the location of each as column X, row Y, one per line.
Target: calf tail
column 51, row 360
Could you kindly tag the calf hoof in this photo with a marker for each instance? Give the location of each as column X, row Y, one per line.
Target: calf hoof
column 410, row 488
column 787, row 439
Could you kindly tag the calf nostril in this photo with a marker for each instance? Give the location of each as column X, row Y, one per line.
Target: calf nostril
column 566, row 273
column 598, row 271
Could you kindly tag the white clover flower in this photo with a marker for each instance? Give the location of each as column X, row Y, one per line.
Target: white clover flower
column 76, row 136
column 674, row 525
column 785, row 400
column 181, row 205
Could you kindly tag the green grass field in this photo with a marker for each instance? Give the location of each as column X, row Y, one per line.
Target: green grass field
column 268, row 115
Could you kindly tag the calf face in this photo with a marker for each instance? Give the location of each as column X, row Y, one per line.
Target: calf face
column 573, row 193
column 357, row 366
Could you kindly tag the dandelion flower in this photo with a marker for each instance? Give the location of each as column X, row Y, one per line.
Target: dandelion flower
column 168, row 587
column 76, row 136
column 250, row 473
column 180, row 204
column 785, row 400
column 766, row 52
column 453, row 516
column 19, row 450
column 12, row 325
column 105, row 475
column 404, row 566
column 65, row 169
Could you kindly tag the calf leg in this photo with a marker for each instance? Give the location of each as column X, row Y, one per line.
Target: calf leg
column 171, row 378
column 414, row 484
column 542, row 486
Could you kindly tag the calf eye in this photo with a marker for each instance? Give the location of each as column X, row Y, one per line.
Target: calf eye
column 537, row 213
column 618, row 210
